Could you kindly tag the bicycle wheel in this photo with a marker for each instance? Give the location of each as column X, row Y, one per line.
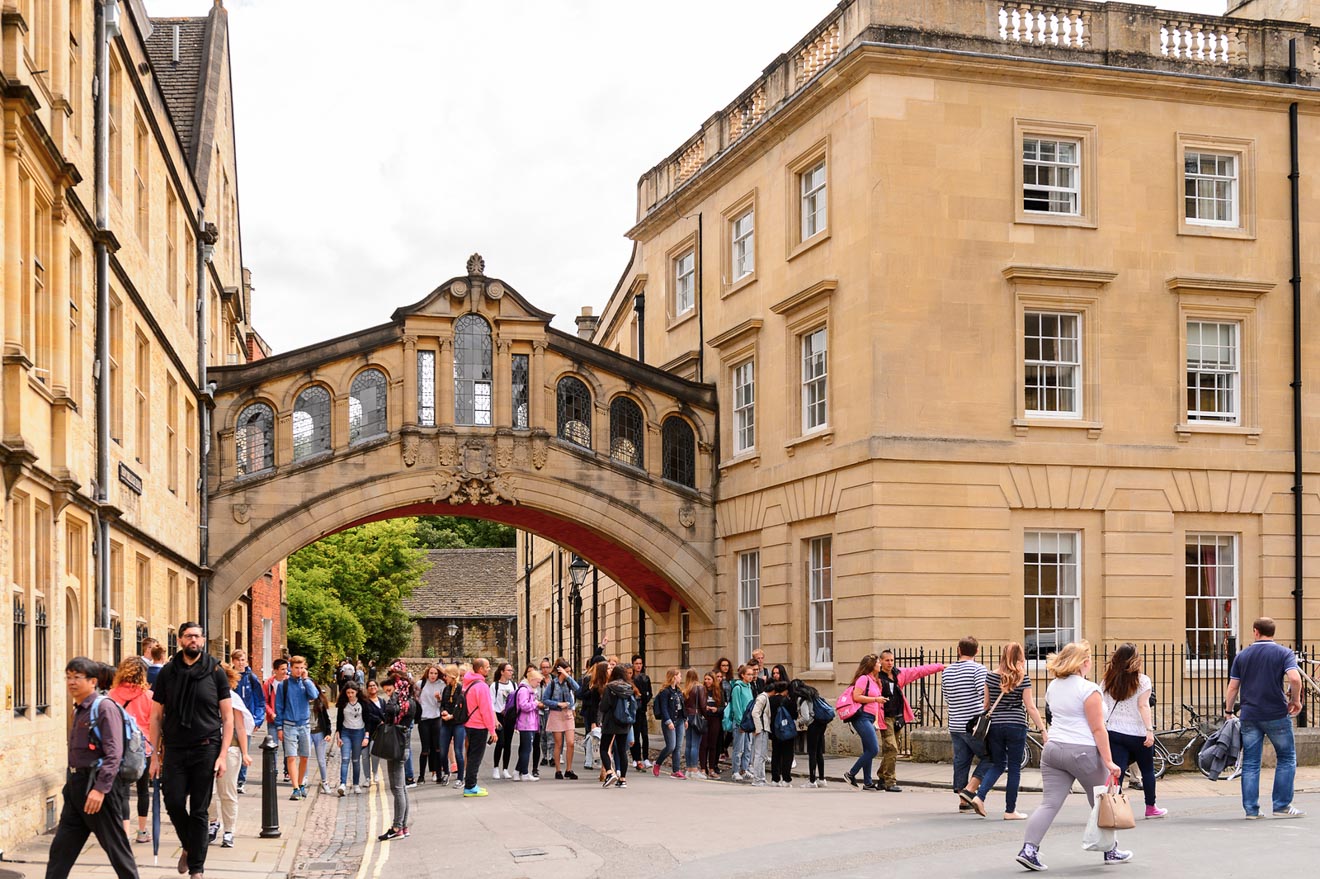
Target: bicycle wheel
column 1160, row 763
column 1026, row 752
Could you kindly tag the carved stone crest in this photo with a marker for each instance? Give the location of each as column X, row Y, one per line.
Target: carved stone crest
column 687, row 517
column 242, row 513
column 448, row 451
column 476, row 266
column 476, row 458
column 503, row 452
column 451, row 489
column 540, row 449
column 411, row 444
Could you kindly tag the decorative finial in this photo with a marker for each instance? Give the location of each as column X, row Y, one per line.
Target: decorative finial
column 476, row 266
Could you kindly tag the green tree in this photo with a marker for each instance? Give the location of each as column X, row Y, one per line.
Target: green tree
column 321, row 628
column 368, row 571
column 458, row 532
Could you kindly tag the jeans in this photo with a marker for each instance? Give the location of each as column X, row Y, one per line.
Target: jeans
column 1280, row 733
column 864, row 725
column 816, row 751
column 76, row 825
column 188, row 780
column 320, row 745
column 1006, row 741
column 758, row 748
column 433, row 757
column 351, row 752
column 693, row 748
column 476, row 749
column 673, row 743
column 456, row 733
column 966, row 749
column 1060, row 765
column 394, row 773
column 297, row 740
column 524, row 751
column 1126, row 749
column 641, row 740
column 742, row 752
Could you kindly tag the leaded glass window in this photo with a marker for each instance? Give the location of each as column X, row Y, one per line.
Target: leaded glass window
column 678, row 451
column 520, row 397
column 472, row 371
column 573, row 402
column 366, row 405
column 254, row 439
column 311, row 423
column 426, row 388
column 626, row 431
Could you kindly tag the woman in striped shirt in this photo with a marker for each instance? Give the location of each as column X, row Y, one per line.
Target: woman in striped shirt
column 1008, row 693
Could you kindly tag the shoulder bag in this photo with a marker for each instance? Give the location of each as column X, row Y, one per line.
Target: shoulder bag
column 387, row 742
column 979, row 726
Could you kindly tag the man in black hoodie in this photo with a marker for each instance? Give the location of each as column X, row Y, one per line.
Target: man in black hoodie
column 641, row 746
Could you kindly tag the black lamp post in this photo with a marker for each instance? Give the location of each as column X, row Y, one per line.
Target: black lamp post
column 452, row 630
column 577, row 574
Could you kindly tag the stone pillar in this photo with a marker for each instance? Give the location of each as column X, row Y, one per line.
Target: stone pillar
column 652, row 463
column 502, row 393
column 444, row 383
column 409, row 381
column 59, row 287
column 536, row 392
column 13, row 328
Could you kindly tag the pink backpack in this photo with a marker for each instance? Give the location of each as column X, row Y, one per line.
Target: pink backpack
column 844, row 706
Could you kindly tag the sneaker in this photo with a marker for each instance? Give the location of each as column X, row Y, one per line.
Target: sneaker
column 406, row 833
column 410, row 782
column 870, row 785
column 458, row 783
column 392, row 833
column 325, row 787
column 1254, row 816
column 850, row 778
column 530, row 778
column 807, row 784
column 585, row 765
column 475, row 792
column 621, row 783
column 655, row 770
column 341, row 790
column 979, row 805
column 967, row 796
column 758, row 783
column 294, row 795
column 822, row 783
column 697, row 773
column 357, row 789
column 559, row 776
column 302, row 791
column 227, row 841
column 1290, row 812
column 518, row 776
column 1117, row 856
column 964, row 807
column 242, row 788
column 893, row 788
column 609, row 777
column 1156, row 812
column 678, row 774
column 571, row 775
column 143, row 836
column 737, row 776
column 211, row 830
column 1014, row 816
column 1029, row 857
column 646, row 764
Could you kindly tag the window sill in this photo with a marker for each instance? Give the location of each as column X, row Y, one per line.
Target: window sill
column 821, row 433
column 1022, row 424
column 1239, row 232
column 817, row 674
column 43, row 390
column 744, row 281
column 681, row 319
column 803, row 246
column 751, row 456
column 1025, row 217
column 1185, row 431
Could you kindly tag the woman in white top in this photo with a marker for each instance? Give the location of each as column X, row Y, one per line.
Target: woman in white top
column 432, row 687
column 1128, row 720
column 500, row 691
column 1078, row 748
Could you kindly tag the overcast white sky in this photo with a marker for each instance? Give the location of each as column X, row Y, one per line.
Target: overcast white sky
column 381, row 142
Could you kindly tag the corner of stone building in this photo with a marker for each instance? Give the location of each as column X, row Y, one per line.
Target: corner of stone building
column 1303, row 11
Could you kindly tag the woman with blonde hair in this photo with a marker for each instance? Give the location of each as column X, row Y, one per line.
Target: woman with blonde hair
column 1009, row 700
column 694, row 712
column 1128, row 719
column 453, row 716
column 130, row 691
column 1078, row 749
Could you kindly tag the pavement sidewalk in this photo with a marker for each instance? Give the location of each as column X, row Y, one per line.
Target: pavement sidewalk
column 251, row 857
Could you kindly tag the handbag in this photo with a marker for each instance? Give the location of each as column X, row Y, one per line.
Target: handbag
column 1115, row 812
column 979, row 726
column 387, row 742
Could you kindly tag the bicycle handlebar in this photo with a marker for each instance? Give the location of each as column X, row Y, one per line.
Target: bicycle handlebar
column 1192, row 711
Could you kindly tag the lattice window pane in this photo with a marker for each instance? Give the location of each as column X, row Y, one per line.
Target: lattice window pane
column 367, row 405
column 573, row 402
column 627, row 431
column 472, row 371
column 744, row 407
column 1051, row 373
column 311, row 422
column 678, row 451
column 1212, row 371
column 520, row 391
column 1051, row 590
column 1212, row 592
column 426, row 388
column 1051, row 176
column 254, row 439
column 820, row 584
column 749, row 602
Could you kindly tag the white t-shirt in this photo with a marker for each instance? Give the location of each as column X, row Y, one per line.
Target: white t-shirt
column 427, row 699
column 1066, row 698
column 1125, row 717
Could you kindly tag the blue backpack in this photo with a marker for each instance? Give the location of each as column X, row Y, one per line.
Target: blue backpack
column 747, row 724
column 133, row 760
column 821, row 710
column 625, row 710
column 783, row 726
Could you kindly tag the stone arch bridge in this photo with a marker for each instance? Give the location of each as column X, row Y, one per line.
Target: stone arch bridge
column 467, row 403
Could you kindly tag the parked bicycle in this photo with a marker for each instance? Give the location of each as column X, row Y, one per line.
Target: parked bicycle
column 1167, row 752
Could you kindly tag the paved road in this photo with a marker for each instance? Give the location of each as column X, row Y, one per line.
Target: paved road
column 661, row 827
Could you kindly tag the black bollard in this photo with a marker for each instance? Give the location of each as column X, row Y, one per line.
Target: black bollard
column 270, row 774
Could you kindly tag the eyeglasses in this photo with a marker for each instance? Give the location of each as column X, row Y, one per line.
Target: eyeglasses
column 195, row 636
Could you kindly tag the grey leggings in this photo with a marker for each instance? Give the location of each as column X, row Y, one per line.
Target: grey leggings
column 1059, row 765
column 399, row 788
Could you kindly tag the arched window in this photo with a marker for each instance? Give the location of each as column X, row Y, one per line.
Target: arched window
column 574, row 405
column 472, row 371
column 627, row 431
column 678, row 451
column 311, row 423
column 254, row 439
column 366, row 405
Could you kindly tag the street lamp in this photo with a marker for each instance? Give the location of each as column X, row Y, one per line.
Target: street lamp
column 452, row 629
column 577, row 571
column 577, row 575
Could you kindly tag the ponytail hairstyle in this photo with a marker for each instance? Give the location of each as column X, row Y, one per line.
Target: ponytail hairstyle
column 1012, row 667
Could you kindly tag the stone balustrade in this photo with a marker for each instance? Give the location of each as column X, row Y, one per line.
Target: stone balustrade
column 1125, row 36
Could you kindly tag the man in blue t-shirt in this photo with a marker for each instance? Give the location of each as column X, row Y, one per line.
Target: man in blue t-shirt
column 1258, row 674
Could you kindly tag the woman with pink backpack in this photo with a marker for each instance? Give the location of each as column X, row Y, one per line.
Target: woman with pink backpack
column 860, row 706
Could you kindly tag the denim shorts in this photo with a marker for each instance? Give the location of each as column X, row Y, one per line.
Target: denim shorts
column 297, row 740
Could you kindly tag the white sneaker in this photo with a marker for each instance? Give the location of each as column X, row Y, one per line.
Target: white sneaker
column 822, row 783
column 357, row 789
column 325, row 787
column 530, row 777
column 341, row 790
column 737, row 776
column 518, row 777
column 807, row 784
column 647, row 763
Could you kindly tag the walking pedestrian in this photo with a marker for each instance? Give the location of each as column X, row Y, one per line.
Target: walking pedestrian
column 1255, row 675
column 641, row 743
column 669, row 711
column 94, row 756
column 432, row 688
column 251, row 692
column 740, row 696
column 1128, row 720
column 453, row 731
column 372, row 716
column 1009, row 700
column 320, row 726
column 806, row 696
column 1078, row 748
column 350, row 735
column 223, row 812
column 527, row 722
column 560, row 698
column 129, row 691
column 618, row 704
column 500, row 691
column 963, row 685
column 158, row 659
column 866, row 693
column 293, row 718
column 480, row 723
column 694, row 719
column 781, row 749
column 396, row 690
column 279, row 673
column 896, row 713
column 590, row 700
column 191, row 720
column 543, row 741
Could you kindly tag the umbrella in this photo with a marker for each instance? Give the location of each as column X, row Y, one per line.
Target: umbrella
column 155, row 822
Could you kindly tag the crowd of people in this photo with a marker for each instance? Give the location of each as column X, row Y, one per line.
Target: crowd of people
column 195, row 718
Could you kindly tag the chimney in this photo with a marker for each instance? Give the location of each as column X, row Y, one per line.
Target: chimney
column 176, row 44
column 586, row 323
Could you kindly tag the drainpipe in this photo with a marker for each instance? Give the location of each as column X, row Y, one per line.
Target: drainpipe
column 639, row 306
column 701, row 304
column 1294, row 180
column 107, row 28
column 528, row 540
column 205, row 249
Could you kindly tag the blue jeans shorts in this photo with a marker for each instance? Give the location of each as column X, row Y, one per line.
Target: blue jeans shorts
column 297, row 740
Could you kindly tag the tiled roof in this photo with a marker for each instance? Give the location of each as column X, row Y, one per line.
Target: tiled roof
column 179, row 81
column 466, row 583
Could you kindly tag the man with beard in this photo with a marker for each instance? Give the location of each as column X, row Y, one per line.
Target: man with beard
column 190, row 720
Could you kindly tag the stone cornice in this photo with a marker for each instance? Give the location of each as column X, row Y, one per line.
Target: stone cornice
column 1224, row 286
column 803, row 298
column 736, row 334
column 1059, row 276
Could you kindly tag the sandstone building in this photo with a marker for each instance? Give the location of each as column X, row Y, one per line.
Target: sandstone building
column 997, row 300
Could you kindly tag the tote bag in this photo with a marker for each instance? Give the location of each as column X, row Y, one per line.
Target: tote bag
column 387, row 742
column 1114, row 812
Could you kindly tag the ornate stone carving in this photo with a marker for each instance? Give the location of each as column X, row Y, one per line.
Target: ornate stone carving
column 458, row 289
column 447, row 451
column 451, row 489
column 445, row 484
column 540, row 449
column 687, row 516
column 242, row 513
column 476, row 266
column 411, row 445
column 494, row 290
column 476, row 458
column 503, row 452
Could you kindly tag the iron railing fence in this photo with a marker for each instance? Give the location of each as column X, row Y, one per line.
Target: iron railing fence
column 1182, row 683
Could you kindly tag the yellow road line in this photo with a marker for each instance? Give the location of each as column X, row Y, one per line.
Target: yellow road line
column 372, row 793
column 384, row 849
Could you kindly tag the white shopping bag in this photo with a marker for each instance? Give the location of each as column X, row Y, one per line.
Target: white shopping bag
column 1095, row 838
